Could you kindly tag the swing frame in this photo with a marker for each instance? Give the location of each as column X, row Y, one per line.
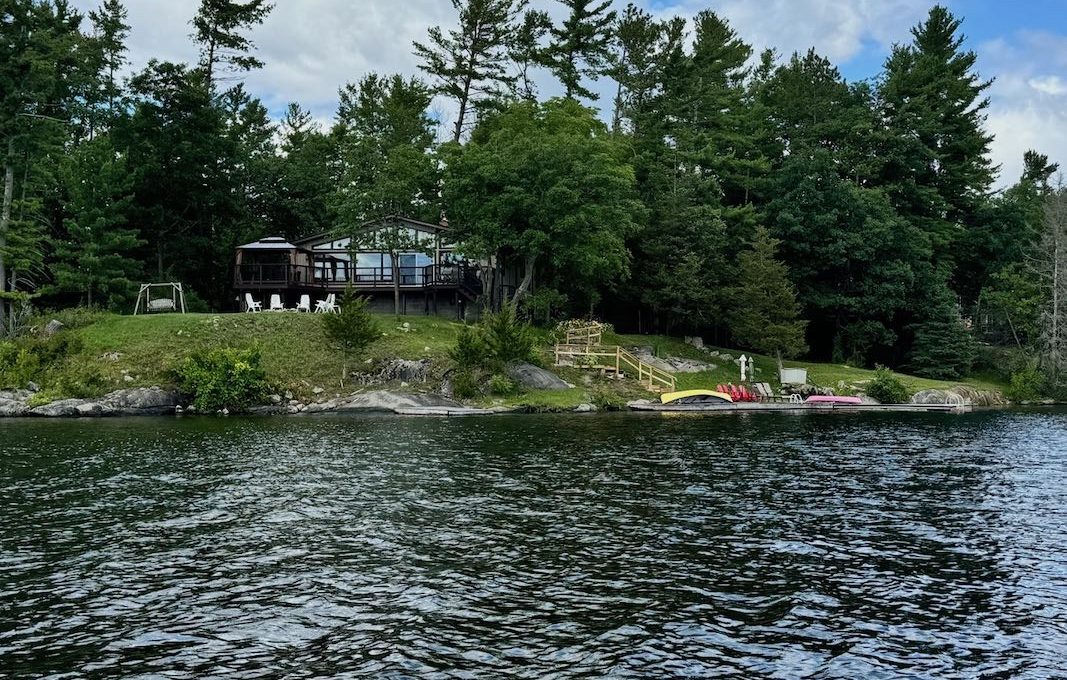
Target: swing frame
column 177, row 295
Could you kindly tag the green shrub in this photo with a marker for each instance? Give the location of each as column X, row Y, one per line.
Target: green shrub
column 500, row 339
column 81, row 382
column 465, row 384
column 470, row 350
column 888, row 388
column 31, row 357
column 223, row 379
column 18, row 366
column 507, row 338
column 606, row 400
column 501, row 385
column 71, row 317
column 1027, row 384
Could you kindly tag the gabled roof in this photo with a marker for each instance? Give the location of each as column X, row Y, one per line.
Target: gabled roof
column 418, row 225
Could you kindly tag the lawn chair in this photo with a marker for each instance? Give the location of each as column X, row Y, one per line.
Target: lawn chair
column 276, row 303
column 251, row 305
column 305, row 304
column 767, row 394
column 328, row 306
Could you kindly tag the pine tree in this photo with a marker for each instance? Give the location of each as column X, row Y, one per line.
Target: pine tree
column 634, row 64
column 385, row 142
column 352, row 329
column 219, row 26
column 849, row 253
column 95, row 256
column 765, row 315
column 526, row 51
column 470, row 62
column 307, row 163
column 581, row 45
column 110, row 31
column 937, row 169
column 43, row 75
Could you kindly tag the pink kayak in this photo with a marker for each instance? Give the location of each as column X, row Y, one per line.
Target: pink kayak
column 852, row 401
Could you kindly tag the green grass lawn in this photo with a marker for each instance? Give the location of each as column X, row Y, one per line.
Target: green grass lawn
column 140, row 351
column 295, row 352
column 843, row 379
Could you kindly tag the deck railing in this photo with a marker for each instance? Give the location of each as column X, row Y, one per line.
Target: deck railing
column 321, row 276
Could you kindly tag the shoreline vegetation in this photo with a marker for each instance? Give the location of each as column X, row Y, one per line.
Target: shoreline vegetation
column 411, row 365
column 759, row 199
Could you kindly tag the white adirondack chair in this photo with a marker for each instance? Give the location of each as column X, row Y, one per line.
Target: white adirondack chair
column 251, row 305
column 276, row 303
column 328, row 306
column 305, row 304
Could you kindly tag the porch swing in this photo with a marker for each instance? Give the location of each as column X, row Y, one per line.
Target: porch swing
column 170, row 298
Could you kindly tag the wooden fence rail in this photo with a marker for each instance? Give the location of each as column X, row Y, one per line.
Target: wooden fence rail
column 613, row 358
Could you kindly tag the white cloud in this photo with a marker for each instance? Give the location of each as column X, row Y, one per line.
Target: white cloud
column 1026, row 108
column 312, row 47
column 1052, row 85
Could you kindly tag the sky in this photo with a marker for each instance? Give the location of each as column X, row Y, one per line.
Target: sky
column 312, row 47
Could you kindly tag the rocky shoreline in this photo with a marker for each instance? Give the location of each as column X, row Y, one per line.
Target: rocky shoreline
column 156, row 401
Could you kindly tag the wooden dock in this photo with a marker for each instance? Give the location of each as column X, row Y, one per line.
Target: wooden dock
column 757, row 407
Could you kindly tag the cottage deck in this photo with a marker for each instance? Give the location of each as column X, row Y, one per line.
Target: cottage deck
column 256, row 277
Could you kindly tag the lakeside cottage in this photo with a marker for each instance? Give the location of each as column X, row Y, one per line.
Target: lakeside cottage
column 434, row 278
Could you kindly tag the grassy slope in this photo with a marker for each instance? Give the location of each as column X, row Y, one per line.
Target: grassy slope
column 297, row 357
column 295, row 352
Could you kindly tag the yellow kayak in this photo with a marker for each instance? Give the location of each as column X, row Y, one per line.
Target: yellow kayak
column 696, row 397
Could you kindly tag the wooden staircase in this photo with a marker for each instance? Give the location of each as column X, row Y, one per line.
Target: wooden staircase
column 583, row 349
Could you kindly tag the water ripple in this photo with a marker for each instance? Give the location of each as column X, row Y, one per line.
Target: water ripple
column 826, row 547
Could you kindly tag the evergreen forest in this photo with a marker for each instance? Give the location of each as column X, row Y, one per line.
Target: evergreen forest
column 760, row 200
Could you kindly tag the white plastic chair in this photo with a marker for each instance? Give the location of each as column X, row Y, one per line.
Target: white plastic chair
column 276, row 303
column 305, row 304
column 328, row 306
column 251, row 305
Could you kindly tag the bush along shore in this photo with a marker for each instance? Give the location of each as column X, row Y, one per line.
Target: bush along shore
column 79, row 363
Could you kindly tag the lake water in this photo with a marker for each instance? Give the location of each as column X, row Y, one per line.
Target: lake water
column 844, row 546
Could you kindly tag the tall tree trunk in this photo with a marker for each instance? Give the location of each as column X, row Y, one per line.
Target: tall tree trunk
column 527, row 280
column 5, row 219
column 464, row 101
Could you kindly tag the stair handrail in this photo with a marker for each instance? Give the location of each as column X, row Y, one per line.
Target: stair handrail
column 588, row 335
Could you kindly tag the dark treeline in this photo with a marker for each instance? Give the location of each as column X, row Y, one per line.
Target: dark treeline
column 760, row 200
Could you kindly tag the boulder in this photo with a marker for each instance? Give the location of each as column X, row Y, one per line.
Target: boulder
column 403, row 370
column 535, row 378
column 12, row 408
column 141, row 401
column 958, row 394
column 390, row 401
column 585, row 408
column 52, row 327
column 65, row 408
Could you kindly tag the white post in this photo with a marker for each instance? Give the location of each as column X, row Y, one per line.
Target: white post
column 744, row 366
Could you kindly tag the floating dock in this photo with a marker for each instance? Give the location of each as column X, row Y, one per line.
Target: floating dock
column 759, row 407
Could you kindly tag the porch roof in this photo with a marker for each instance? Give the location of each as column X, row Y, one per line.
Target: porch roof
column 269, row 243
